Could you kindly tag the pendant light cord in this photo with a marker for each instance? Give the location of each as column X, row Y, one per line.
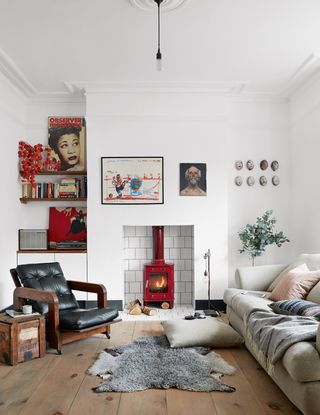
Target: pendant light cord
column 159, row 26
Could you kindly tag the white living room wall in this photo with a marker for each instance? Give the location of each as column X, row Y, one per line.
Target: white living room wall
column 181, row 127
column 12, row 122
column 305, row 133
column 258, row 131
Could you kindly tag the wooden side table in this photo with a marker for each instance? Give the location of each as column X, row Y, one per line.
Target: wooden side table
column 21, row 338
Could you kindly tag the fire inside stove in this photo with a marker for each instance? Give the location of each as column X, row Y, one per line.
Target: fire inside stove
column 158, row 282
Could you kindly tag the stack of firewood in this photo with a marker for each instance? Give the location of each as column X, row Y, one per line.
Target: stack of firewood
column 135, row 308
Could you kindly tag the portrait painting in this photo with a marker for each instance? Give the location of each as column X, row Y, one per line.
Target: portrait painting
column 193, row 179
column 67, row 140
column 132, row 180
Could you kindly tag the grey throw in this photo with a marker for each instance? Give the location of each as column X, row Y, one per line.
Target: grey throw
column 150, row 362
column 275, row 333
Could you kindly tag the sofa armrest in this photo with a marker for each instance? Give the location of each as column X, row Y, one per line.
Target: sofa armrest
column 257, row 278
column 90, row 287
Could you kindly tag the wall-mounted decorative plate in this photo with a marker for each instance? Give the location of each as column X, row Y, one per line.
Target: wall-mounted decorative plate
column 250, row 181
column 263, row 181
column 275, row 165
column 238, row 180
column 250, row 165
column 275, row 180
column 264, row 164
column 238, row 164
column 166, row 5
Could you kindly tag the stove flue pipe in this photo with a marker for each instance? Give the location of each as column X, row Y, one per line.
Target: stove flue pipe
column 158, row 244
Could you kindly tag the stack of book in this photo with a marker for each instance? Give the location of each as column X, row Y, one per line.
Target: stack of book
column 68, row 188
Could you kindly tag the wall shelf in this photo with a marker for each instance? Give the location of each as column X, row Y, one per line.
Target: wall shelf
column 52, row 251
column 60, row 173
column 51, row 199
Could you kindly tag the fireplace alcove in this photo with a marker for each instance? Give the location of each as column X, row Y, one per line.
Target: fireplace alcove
column 139, row 251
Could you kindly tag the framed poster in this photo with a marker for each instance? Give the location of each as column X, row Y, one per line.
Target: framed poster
column 67, row 139
column 67, row 228
column 131, row 180
column 193, row 179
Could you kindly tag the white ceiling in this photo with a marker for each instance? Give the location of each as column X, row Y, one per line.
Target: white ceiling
column 259, row 43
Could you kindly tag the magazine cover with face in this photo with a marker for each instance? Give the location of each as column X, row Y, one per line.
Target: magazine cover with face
column 67, row 227
column 67, row 139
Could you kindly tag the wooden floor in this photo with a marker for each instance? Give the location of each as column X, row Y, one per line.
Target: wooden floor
column 59, row 385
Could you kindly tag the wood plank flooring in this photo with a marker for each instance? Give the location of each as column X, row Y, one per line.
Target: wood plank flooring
column 59, row 385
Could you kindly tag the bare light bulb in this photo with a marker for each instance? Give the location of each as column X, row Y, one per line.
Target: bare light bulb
column 159, row 61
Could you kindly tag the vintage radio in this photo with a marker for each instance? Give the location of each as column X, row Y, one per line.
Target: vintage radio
column 33, row 239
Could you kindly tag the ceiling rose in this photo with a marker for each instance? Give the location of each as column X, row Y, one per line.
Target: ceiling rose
column 166, row 5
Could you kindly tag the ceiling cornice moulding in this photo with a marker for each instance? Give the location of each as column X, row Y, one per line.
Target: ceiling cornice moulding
column 92, row 87
column 304, row 74
column 166, row 5
column 15, row 76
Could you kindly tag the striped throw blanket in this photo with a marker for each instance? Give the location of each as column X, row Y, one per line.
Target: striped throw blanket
column 274, row 333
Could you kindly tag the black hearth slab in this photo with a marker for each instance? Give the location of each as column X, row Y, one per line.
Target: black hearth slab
column 217, row 304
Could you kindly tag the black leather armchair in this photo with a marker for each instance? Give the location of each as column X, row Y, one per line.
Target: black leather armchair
column 45, row 287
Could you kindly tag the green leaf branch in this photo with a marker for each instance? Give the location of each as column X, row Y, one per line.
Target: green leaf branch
column 255, row 238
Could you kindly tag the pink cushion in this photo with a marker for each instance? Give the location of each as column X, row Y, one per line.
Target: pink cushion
column 295, row 284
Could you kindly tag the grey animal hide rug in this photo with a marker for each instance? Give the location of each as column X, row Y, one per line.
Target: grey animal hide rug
column 150, row 362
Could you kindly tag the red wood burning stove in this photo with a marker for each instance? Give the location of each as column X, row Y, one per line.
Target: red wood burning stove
column 158, row 275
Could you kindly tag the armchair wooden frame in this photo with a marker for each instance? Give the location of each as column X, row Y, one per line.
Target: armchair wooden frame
column 56, row 336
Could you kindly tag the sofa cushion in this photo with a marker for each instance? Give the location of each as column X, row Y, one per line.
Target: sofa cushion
column 296, row 308
column 291, row 266
column 302, row 362
column 242, row 302
column 209, row 332
column 311, row 260
column 314, row 294
column 295, row 284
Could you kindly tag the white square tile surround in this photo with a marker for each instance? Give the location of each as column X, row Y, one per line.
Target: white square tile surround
column 178, row 249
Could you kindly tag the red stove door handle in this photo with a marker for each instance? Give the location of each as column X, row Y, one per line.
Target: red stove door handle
column 147, row 283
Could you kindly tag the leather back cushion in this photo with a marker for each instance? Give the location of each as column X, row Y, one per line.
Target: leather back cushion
column 47, row 277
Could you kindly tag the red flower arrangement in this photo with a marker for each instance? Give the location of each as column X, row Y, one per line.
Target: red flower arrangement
column 34, row 160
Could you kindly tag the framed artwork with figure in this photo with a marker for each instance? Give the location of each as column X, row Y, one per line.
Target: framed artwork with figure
column 193, row 179
column 67, row 227
column 67, row 140
column 131, row 180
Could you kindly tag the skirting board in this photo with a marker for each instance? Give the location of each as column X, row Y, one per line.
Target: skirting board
column 216, row 304
column 117, row 304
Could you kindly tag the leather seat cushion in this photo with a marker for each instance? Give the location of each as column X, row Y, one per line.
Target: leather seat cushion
column 80, row 318
column 47, row 277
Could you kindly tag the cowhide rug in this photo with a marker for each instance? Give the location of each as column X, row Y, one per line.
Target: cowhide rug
column 149, row 362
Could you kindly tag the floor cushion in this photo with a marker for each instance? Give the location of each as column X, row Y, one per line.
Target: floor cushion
column 209, row 332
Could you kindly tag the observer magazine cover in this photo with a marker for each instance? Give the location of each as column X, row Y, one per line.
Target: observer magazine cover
column 67, row 139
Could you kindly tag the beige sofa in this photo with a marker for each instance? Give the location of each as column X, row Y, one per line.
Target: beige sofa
column 298, row 372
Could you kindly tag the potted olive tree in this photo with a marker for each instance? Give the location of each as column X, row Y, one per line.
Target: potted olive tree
column 255, row 238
